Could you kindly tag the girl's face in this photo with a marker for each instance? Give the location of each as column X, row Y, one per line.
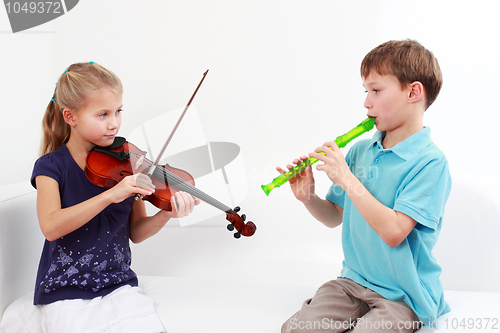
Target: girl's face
column 99, row 121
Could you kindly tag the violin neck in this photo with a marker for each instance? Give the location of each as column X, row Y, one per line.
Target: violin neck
column 173, row 180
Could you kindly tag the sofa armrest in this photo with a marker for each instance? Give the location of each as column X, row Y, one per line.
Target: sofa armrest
column 21, row 242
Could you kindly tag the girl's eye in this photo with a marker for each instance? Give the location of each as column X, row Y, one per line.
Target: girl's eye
column 119, row 111
column 102, row 115
column 376, row 90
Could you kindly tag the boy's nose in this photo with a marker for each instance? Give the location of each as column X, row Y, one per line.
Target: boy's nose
column 367, row 103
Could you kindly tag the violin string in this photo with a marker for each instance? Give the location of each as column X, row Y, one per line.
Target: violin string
column 182, row 184
column 175, row 180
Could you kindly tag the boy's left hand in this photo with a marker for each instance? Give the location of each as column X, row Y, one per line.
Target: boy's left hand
column 334, row 164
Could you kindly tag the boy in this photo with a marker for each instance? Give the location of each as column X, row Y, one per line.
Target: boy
column 389, row 193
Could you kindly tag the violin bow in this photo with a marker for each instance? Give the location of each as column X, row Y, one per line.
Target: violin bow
column 158, row 158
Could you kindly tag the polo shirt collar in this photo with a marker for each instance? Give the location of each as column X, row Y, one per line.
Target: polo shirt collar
column 408, row 147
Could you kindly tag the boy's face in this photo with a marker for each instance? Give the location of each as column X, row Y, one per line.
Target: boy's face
column 385, row 100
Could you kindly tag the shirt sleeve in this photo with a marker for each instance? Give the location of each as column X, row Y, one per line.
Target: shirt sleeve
column 336, row 195
column 424, row 193
column 47, row 165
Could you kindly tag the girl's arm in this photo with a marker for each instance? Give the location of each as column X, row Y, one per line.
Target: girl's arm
column 142, row 226
column 56, row 222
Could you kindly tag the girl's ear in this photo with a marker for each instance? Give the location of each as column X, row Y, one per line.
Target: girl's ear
column 69, row 117
column 416, row 92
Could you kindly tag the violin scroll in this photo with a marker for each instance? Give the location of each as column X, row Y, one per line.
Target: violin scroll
column 238, row 223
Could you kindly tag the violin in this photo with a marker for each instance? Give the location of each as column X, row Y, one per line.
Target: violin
column 107, row 166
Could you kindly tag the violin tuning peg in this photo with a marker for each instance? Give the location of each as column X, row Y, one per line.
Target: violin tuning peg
column 230, row 227
column 243, row 217
column 237, row 209
column 237, row 235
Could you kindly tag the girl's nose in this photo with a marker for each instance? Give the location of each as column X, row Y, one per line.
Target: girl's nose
column 113, row 123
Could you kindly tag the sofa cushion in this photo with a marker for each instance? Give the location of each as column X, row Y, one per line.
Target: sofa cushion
column 187, row 305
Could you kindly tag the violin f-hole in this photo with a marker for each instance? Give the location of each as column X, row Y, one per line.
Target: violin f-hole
column 125, row 173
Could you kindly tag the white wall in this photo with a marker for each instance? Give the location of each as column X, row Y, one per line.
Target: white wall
column 284, row 78
column 284, row 75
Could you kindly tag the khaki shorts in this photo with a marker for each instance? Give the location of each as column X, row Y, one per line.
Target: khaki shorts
column 343, row 305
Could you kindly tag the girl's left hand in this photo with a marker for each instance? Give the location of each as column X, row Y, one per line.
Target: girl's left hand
column 334, row 164
column 182, row 204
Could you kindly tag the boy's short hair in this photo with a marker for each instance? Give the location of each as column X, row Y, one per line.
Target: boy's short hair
column 408, row 61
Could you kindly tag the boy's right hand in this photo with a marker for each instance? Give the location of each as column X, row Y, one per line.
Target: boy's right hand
column 130, row 186
column 302, row 184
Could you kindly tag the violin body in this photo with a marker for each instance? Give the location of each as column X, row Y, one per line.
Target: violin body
column 107, row 166
column 106, row 170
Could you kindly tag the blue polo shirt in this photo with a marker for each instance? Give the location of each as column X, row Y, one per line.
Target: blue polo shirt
column 412, row 178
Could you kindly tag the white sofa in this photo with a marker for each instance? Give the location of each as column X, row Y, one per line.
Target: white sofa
column 204, row 280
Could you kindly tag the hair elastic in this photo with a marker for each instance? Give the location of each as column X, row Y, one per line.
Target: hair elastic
column 90, row 63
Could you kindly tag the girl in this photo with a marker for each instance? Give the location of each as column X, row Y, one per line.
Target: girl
column 84, row 281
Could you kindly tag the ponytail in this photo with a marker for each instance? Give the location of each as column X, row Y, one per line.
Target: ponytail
column 74, row 89
column 55, row 130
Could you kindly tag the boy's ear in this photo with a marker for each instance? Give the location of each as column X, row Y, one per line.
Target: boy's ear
column 69, row 117
column 416, row 92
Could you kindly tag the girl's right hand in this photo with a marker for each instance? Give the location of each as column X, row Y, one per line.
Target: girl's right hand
column 130, row 186
column 302, row 184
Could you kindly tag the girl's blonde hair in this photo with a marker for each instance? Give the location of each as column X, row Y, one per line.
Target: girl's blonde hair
column 75, row 88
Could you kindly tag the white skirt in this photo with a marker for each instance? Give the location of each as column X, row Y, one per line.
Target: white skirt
column 125, row 310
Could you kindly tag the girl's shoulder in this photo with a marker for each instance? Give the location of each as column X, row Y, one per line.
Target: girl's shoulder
column 53, row 164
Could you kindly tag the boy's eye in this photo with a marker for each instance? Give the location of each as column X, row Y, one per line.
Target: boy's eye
column 118, row 111
column 102, row 115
